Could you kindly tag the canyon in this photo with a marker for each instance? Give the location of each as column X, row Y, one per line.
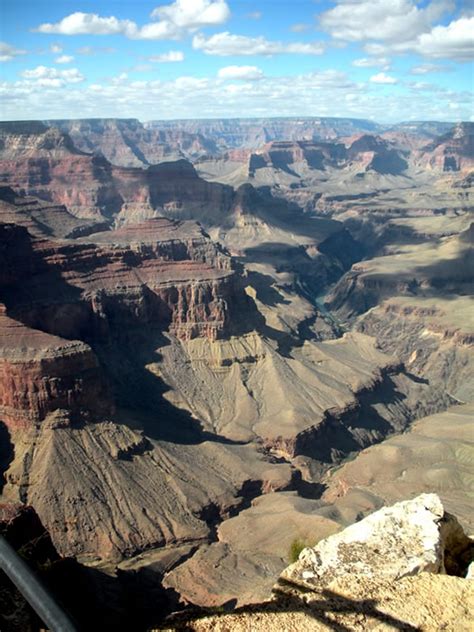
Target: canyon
column 217, row 337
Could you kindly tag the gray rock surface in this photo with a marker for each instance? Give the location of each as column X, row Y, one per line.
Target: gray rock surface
column 394, row 542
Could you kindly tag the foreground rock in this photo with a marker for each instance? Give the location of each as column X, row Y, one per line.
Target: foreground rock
column 423, row 602
column 398, row 541
column 385, row 572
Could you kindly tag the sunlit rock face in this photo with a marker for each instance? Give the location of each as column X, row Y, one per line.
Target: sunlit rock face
column 410, row 537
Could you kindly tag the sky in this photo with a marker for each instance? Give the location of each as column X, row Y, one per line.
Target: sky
column 385, row 60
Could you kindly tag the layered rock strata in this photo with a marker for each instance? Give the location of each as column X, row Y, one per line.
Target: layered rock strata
column 163, row 274
column 41, row 373
column 128, row 143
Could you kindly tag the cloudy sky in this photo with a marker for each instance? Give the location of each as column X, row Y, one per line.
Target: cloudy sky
column 388, row 60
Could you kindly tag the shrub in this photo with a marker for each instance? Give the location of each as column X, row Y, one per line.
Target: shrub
column 295, row 549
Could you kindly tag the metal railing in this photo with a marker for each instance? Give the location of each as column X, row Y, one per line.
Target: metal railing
column 33, row 590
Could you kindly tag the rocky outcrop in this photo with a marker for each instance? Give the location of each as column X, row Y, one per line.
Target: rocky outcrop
column 408, row 538
column 42, row 219
column 383, row 572
column 164, row 272
column 180, row 192
column 373, row 153
column 422, row 602
column 366, row 153
column 40, row 373
column 62, row 297
column 31, row 140
column 281, row 155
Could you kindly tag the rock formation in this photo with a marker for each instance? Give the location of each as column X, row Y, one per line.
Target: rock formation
column 251, row 133
column 411, row 537
column 454, row 151
column 41, row 373
column 386, row 571
column 128, row 143
column 43, row 219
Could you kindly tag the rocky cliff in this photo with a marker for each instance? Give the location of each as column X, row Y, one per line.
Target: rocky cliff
column 40, row 373
column 43, row 219
column 128, row 143
column 424, row 270
column 58, row 295
column 251, row 133
column 43, row 162
column 286, row 161
column 173, row 401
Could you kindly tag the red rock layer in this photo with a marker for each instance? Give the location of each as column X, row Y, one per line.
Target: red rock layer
column 40, row 373
column 42, row 219
column 164, row 274
column 44, row 163
column 453, row 151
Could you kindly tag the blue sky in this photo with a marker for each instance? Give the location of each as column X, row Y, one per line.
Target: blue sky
column 388, row 60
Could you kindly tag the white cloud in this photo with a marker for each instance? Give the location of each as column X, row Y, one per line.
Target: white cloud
column 421, row 85
column 226, row 44
column 64, row 59
column 300, row 27
column 79, row 23
column 173, row 21
column 372, row 62
column 454, row 41
column 170, row 56
column 162, row 30
column 53, row 77
column 249, row 73
column 193, row 14
column 95, row 50
column 385, row 20
column 8, row 52
column 119, row 80
column 381, row 77
column 56, row 49
column 424, row 69
column 254, row 15
column 182, row 16
column 323, row 93
column 402, row 26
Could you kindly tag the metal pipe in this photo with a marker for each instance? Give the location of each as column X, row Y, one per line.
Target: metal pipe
column 33, row 590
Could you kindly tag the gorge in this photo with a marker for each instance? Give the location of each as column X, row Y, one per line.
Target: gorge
column 176, row 405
